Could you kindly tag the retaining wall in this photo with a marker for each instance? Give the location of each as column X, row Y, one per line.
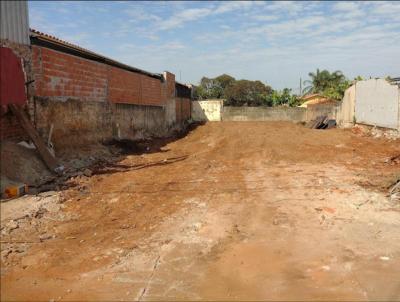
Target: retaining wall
column 88, row 101
column 77, row 123
column 207, row 110
column 292, row 114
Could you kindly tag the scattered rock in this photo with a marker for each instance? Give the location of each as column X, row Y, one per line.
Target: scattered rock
column 40, row 212
column 12, row 225
column 44, row 237
column 5, row 253
column 87, row 172
column 9, row 227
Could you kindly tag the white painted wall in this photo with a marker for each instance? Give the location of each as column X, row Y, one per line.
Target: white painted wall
column 377, row 103
column 207, row 110
column 346, row 111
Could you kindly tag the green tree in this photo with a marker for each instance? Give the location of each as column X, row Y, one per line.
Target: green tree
column 284, row 97
column 331, row 85
column 247, row 93
column 214, row 88
column 225, row 80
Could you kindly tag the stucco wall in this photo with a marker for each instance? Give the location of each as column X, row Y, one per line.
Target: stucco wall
column 207, row 110
column 345, row 117
column 292, row 114
column 316, row 110
column 377, row 103
column 78, row 123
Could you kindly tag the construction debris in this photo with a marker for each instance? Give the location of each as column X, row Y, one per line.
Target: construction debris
column 323, row 122
column 48, row 158
column 394, row 192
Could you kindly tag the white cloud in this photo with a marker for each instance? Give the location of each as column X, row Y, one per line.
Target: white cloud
column 192, row 14
column 344, row 6
column 229, row 6
column 184, row 16
column 265, row 17
column 138, row 14
column 274, row 41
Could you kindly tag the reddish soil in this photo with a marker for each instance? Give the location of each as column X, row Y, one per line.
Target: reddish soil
column 251, row 210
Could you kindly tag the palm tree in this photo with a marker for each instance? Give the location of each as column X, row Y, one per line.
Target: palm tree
column 324, row 81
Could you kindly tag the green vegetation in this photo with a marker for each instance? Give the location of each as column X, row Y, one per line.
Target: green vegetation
column 255, row 93
column 243, row 92
column 332, row 85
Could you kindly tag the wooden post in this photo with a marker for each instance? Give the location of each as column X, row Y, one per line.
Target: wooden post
column 50, row 161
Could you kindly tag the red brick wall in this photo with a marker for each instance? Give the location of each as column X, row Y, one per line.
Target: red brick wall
column 63, row 76
column 151, row 91
column 124, row 86
column 133, row 88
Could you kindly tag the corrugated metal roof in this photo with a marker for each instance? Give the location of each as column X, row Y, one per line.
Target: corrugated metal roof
column 14, row 21
column 46, row 40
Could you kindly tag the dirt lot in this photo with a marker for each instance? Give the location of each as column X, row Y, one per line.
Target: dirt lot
column 244, row 211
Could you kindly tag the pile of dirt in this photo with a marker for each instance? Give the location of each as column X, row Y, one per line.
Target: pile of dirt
column 22, row 164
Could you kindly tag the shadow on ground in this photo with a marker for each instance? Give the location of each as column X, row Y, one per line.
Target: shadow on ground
column 109, row 165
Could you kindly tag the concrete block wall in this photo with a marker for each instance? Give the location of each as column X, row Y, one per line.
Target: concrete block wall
column 138, row 122
column 75, row 122
column 291, row 114
column 329, row 110
column 207, row 110
column 377, row 103
column 373, row 102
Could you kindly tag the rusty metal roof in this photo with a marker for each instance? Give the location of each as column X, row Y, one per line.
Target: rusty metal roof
column 46, row 40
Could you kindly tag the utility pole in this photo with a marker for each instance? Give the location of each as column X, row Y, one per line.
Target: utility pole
column 180, row 76
column 301, row 91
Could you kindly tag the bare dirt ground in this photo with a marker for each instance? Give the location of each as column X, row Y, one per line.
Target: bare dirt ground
column 245, row 211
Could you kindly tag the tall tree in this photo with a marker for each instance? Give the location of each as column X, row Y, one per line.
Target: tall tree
column 247, row 93
column 329, row 84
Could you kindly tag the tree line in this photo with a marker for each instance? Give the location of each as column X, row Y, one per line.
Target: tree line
column 255, row 93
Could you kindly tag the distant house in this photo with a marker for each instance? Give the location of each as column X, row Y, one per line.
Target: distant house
column 314, row 99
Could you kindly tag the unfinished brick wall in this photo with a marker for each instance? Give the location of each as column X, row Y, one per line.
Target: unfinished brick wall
column 88, row 101
column 62, row 76
column 126, row 87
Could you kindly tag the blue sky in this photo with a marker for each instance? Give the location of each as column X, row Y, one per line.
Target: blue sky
column 275, row 42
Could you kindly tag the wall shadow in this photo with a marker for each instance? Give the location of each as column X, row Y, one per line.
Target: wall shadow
column 112, row 164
